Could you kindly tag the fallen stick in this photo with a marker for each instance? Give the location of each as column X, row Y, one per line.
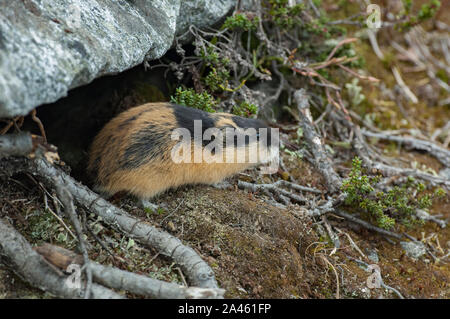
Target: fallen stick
column 17, row 254
column 315, row 143
column 69, row 208
column 361, row 149
column 123, row 280
column 143, row 285
column 439, row 153
column 367, row 225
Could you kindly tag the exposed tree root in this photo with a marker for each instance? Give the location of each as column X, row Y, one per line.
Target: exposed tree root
column 17, row 254
column 326, row 208
column 367, row 225
column 279, row 193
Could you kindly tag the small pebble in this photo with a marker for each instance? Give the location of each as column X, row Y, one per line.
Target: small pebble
column 413, row 249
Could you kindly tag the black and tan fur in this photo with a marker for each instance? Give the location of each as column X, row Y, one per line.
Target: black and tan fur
column 132, row 152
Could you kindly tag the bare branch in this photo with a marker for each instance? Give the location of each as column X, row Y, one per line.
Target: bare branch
column 17, row 254
column 67, row 200
column 315, row 143
column 367, row 225
column 123, row 280
column 440, row 153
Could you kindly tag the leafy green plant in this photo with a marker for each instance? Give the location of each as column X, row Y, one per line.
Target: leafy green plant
column 217, row 80
column 211, row 57
column 386, row 208
column 426, row 11
column 407, row 4
column 189, row 97
column 245, row 109
column 240, row 21
column 284, row 15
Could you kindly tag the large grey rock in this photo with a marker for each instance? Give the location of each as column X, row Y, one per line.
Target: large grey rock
column 202, row 13
column 50, row 46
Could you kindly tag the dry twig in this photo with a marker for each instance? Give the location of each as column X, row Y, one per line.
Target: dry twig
column 315, row 143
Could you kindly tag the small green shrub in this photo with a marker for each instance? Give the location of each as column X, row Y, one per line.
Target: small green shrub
column 426, row 11
column 283, row 15
column 217, row 80
column 240, row 21
column 245, row 109
column 189, row 97
column 386, row 208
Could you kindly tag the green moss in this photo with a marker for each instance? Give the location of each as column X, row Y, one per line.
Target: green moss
column 45, row 227
column 388, row 60
column 442, row 74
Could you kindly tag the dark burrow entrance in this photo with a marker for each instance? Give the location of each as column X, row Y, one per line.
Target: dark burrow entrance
column 72, row 122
